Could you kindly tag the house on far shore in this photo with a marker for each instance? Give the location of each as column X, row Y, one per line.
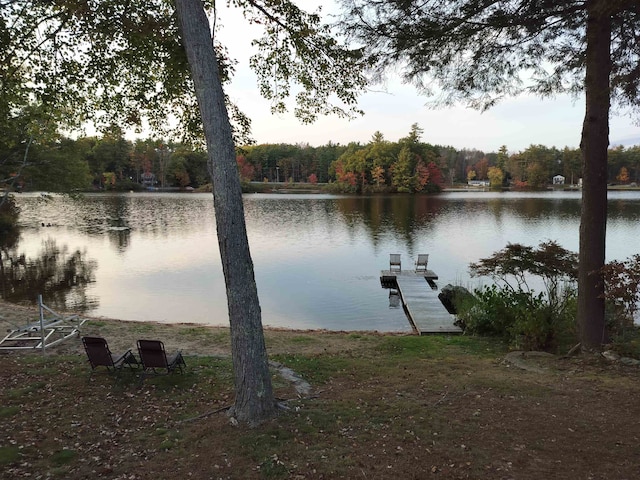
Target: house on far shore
column 148, row 179
column 558, row 180
column 479, row 183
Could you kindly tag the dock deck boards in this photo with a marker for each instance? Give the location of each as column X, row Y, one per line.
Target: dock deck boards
column 428, row 274
column 424, row 309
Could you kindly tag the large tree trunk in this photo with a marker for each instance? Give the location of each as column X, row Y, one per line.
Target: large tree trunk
column 254, row 395
column 594, row 145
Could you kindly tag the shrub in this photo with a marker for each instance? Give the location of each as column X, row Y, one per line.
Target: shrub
column 622, row 293
column 525, row 320
column 627, row 342
column 622, row 297
column 125, row 185
column 511, row 309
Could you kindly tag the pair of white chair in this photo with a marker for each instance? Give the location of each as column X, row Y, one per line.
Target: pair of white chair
column 395, row 263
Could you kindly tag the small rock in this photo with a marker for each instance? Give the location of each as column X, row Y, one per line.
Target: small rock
column 611, row 356
column 629, row 361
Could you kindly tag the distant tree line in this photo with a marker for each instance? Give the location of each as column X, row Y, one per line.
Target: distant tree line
column 110, row 162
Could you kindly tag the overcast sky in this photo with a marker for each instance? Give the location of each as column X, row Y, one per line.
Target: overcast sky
column 516, row 123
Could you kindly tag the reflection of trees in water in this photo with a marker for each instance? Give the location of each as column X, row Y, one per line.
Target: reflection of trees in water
column 405, row 215
column 505, row 207
column 120, row 238
column 399, row 215
column 109, row 215
column 117, row 218
column 60, row 276
column 624, row 209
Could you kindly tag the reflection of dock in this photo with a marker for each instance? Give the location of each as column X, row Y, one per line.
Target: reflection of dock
column 420, row 301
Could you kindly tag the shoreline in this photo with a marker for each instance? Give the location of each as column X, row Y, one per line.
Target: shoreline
column 192, row 338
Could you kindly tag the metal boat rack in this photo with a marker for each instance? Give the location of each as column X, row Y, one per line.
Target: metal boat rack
column 51, row 329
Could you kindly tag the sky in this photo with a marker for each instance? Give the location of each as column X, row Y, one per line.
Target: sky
column 517, row 122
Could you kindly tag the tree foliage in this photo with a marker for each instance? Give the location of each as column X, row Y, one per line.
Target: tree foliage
column 110, row 61
column 478, row 52
column 518, row 263
column 62, row 164
column 496, row 176
column 121, row 62
column 622, row 290
column 293, row 41
column 406, row 166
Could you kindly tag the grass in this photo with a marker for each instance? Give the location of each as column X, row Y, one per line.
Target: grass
column 9, row 454
column 8, row 411
column 142, row 328
column 402, row 407
column 314, row 369
column 97, row 323
column 63, row 457
column 26, row 391
column 304, row 340
column 437, row 346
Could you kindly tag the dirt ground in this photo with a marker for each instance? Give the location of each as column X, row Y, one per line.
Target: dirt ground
column 380, row 406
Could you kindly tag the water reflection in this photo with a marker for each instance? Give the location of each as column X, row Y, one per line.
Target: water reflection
column 384, row 215
column 394, row 299
column 317, row 257
column 60, row 276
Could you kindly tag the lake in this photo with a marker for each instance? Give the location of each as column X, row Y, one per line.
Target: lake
column 317, row 258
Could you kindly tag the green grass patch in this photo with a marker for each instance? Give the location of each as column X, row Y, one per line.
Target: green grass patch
column 34, row 360
column 18, row 393
column 50, row 365
column 6, row 412
column 218, row 368
column 63, row 457
column 143, row 328
column 315, row 369
column 304, row 340
column 215, row 371
column 265, row 444
column 216, row 337
column 436, row 346
column 48, row 371
column 221, row 337
column 273, row 468
column 96, row 323
column 171, row 381
column 197, row 332
column 170, row 438
column 504, row 386
column 9, row 454
column 274, row 448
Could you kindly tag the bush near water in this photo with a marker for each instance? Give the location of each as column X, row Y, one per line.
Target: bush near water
column 546, row 320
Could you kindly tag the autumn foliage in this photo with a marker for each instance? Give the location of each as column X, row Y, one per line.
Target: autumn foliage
column 407, row 166
column 245, row 169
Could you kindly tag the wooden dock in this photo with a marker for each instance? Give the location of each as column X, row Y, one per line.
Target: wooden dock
column 421, row 303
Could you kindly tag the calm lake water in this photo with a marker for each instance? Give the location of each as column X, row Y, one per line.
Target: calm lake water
column 317, row 257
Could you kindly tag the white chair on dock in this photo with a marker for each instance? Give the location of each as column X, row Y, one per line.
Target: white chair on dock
column 421, row 263
column 394, row 262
